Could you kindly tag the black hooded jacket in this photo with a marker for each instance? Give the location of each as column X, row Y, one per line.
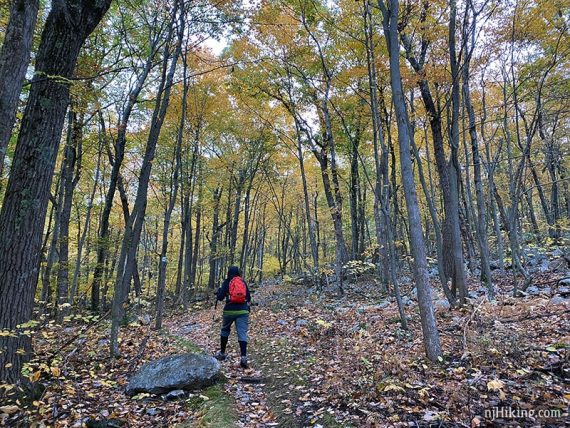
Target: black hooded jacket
column 224, row 292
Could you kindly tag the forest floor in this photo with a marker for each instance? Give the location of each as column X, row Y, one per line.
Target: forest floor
column 321, row 361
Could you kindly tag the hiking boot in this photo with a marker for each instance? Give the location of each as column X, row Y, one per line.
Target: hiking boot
column 243, row 362
column 220, row 356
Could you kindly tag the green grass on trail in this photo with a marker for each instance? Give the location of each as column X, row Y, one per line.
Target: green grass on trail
column 216, row 412
column 219, row 410
column 184, row 344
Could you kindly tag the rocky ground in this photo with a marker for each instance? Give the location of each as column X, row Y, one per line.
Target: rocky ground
column 324, row 361
column 345, row 361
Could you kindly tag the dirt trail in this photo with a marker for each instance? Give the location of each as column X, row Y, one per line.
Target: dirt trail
column 246, row 386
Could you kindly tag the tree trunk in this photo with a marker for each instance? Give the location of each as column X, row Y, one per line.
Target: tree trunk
column 237, row 209
column 52, row 251
column 481, row 223
column 429, row 326
column 436, row 226
column 87, row 223
column 70, row 178
column 198, row 229
column 23, row 212
column 381, row 167
column 214, row 258
column 447, row 171
column 161, row 286
column 102, row 242
column 311, row 223
column 136, row 220
column 14, row 58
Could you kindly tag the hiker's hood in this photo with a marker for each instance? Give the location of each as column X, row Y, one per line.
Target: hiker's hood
column 233, row 271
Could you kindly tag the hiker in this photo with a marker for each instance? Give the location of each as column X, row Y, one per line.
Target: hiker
column 236, row 292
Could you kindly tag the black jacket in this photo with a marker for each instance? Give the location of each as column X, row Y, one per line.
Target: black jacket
column 224, row 293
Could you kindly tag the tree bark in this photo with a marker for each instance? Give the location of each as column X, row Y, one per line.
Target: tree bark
column 214, row 258
column 136, row 220
column 23, row 213
column 161, row 286
column 14, row 59
column 87, row 221
column 102, row 242
column 481, row 223
column 429, row 326
column 70, row 178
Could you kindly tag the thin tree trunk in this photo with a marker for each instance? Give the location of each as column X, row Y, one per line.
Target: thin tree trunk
column 458, row 278
column 71, row 162
column 198, row 229
column 381, row 166
column 429, row 326
column 481, row 223
column 87, row 223
column 161, row 287
column 214, row 257
column 102, row 242
column 311, row 223
column 14, row 59
column 134, row 226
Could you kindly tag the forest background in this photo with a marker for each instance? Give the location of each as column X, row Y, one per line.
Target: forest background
column 319, row 142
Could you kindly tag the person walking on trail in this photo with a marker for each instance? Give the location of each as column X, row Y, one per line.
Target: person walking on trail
column 236, row 293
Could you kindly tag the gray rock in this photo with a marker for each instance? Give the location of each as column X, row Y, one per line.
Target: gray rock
column 174, row 395
column 152, row 411
column 145, row 319
column 558, row 300
column 383, row 304
column 188, row 328
column 186, row 371
column 494, row 264
column 442, row 304
column 281, row 322
column 558, row 265
column 533, row 290
column 564, row 282
column 414, row 293
column 301, row 323
column 543, row 266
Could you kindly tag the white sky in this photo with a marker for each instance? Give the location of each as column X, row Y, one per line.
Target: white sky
column 216, row 46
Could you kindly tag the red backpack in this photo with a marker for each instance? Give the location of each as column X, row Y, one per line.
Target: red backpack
column 238, row 290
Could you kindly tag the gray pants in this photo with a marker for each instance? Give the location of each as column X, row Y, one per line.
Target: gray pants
column 242, row 323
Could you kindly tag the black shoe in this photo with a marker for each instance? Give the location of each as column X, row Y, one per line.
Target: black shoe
column 243, row 362
column 220, row 356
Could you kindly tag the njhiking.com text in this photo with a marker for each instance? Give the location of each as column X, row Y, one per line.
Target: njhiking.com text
column 517, row 413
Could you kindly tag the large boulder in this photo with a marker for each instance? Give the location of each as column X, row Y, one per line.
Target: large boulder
column 186, row 371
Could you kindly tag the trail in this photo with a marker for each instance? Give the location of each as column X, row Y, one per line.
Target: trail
column 329, row 361
column 202, row 328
